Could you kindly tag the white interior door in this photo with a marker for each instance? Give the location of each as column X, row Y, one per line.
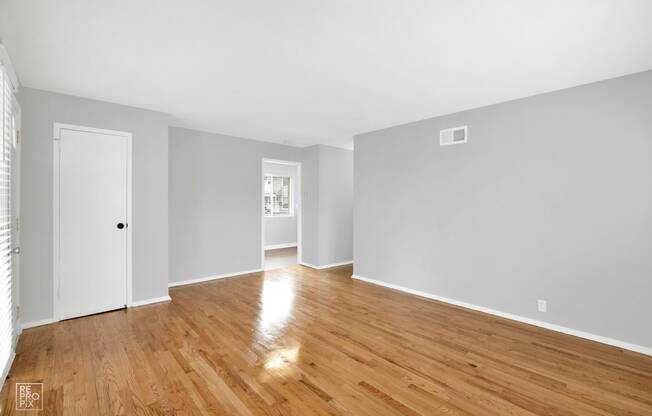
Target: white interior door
column 92, row 255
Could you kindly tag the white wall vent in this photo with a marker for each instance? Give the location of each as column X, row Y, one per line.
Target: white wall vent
column 456, row 135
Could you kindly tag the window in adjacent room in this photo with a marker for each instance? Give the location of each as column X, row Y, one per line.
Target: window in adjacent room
column 278, row 198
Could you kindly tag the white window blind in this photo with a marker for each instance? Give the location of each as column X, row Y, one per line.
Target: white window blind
column 7, row 143
column 278, row 201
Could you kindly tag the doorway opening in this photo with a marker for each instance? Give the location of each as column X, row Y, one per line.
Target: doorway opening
column 281, row 213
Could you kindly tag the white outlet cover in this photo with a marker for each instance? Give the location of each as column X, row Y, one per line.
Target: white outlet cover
column 542, row 305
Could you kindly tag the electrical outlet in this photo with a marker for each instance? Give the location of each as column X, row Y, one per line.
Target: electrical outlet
column 542, row 305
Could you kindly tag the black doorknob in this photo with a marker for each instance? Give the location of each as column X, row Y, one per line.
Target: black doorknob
column 120, row 226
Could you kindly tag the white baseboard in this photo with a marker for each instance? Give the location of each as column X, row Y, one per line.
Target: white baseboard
column 558, row 328
column 206, row 279
column 47, row 321
column 41, row 322
column 137, row 303
column 277, row 246
column 326, row 266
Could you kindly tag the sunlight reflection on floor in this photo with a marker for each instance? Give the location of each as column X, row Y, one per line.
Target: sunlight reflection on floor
column 277, row 301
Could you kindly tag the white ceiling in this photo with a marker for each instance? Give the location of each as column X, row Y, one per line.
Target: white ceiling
column 320, row 71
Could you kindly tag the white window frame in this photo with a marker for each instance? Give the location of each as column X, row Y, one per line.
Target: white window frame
column 14, row 297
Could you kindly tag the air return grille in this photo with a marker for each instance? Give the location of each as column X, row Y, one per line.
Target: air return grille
column 456, row 135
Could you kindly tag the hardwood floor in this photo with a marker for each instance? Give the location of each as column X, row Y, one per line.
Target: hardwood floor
column 296, row 341
column 280, row 257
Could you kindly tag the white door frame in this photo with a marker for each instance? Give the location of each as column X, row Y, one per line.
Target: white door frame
column 298, row 212
column 55, row 207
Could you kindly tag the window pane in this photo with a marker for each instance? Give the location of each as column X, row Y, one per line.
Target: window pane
column 268, row 195
column 277, row 198
column 268, row 204
column 281, row 192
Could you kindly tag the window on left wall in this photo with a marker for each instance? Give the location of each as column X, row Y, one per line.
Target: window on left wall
column 278, row 196
column 8, row 140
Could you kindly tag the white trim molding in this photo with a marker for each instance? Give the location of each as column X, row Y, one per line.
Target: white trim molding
column 209, row 278
column 144, row 302
column 40, row 322
column 277, row 246
column 326, row 266
column 137, row 303
column 553, row 327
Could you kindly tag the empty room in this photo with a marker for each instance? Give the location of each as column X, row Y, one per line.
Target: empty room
column 344, row 208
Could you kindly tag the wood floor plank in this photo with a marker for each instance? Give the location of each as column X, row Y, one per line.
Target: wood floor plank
column 296, row 341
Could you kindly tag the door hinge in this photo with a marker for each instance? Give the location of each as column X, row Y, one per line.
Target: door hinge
column 17, row 136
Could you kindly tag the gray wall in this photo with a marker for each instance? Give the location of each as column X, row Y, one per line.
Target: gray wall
column 282, row 230
column 215, row 202
column 550, row 199
column 212, row 197
column 328, row 205
column 335, row 205
column 310, row 205
column 40, row 110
